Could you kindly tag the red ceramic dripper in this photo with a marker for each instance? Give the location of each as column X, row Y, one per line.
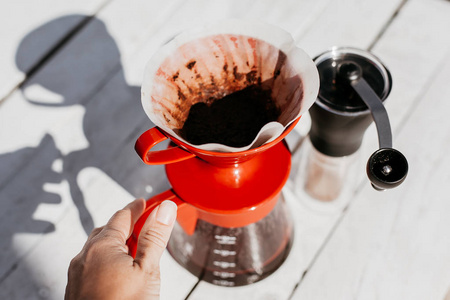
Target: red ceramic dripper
column 227, row 197
column 226, row 189
column 228, row 207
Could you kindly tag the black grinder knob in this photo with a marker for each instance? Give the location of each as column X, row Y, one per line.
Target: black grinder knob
column 387, row 167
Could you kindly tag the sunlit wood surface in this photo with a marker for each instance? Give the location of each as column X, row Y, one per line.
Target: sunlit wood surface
column 70, row 113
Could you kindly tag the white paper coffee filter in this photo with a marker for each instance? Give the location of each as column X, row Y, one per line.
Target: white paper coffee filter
column 208, row 63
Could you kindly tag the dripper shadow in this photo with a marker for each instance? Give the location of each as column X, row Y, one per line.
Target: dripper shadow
column 85, row 72
column 113, row 113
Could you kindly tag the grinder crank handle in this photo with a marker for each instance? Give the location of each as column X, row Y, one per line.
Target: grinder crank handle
column 154, row 136
column 186, row 217
column 386, row 167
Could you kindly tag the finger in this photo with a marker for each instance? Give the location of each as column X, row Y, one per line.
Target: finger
column 122, row 222
column 154, row 235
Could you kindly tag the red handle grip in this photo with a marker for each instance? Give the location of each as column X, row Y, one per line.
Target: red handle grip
column 152, row 137
column 186, row 217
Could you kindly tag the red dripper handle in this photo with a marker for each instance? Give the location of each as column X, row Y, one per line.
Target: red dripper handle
column 155, row 136
column 186, row 217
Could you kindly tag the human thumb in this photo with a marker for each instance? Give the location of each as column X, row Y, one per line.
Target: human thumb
column 154, row 235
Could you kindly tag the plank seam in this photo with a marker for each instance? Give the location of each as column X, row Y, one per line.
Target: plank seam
column 322, row 247
column 8, row 272
column 297, row 36
column 427, row 86
column 387, row 25
column 53, row 50
column 193, row 288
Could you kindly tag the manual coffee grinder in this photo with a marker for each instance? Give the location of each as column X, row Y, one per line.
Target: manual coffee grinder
column 233, row 227
column 353, row 85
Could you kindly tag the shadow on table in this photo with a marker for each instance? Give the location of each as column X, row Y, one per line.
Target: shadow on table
column 86, row 71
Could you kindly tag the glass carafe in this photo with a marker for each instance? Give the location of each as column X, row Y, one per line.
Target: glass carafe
column 235, row 256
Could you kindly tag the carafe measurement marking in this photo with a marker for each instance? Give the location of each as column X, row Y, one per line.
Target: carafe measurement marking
column 224, row 274
column 225, row 239
column 223, row 282
column 224, row 264
column 224, row 253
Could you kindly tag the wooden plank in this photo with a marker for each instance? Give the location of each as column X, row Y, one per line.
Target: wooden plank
column 345, row 23
column 43, row 271
column 20, row 205
column 395, row 245
column 56, row 142
column 50, row 131
column 20, row 52
column 53, row 101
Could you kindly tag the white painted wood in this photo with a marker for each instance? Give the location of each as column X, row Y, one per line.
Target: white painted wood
column 21, row 17
column 75, row 74
column 414, row 48
column 345, row 23
column 45, row 267
column 70, row 135
column 104, row 118
column 395, row 245
column 51, row 134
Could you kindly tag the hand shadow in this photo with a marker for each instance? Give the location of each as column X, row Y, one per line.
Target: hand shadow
column 22, row 193
column 87, row 72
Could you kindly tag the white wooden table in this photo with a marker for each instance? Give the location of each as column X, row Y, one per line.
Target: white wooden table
column 70, row 113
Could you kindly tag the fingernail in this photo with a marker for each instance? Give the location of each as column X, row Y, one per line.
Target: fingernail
column 167, row 212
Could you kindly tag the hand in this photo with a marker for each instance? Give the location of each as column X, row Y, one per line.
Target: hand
column 104, row 270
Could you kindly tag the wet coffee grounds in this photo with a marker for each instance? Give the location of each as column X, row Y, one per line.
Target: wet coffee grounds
column 233, row 120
